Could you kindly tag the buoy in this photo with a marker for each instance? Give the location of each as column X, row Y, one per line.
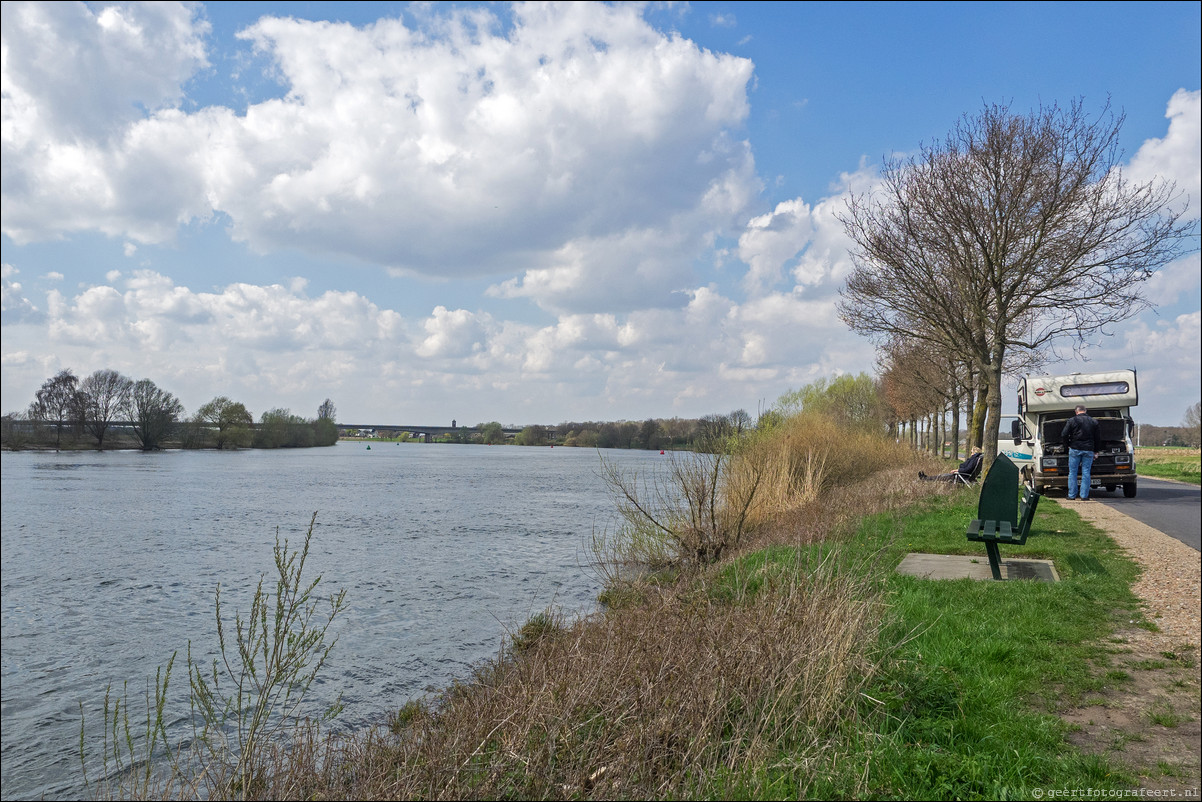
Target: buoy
column 369, row 448
column 661, row 452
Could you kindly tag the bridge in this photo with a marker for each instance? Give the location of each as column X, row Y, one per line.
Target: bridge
column 427, row 433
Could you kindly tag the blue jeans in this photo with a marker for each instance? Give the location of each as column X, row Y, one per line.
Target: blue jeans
column 1084, row 461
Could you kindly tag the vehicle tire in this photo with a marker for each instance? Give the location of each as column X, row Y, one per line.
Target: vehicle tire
column 1129, row 490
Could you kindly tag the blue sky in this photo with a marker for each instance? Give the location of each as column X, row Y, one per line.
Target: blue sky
column 521, row 213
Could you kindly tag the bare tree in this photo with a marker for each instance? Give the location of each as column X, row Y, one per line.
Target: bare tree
column 326, row 411
column 153, row 413
column 105, row 393
column 58, row 404
column 1193, row 422
column 1015, row 234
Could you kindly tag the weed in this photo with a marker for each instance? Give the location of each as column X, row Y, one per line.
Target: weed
column 245, row 706
column 407, row 716
column 537, row 629
column 1168, row 769
column 1162, row 713
column 1149, row 665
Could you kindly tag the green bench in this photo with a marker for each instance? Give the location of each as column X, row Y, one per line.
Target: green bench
column 997, row 519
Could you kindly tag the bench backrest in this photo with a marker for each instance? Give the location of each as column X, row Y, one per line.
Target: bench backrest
column 1027, row 509
column 999, row 492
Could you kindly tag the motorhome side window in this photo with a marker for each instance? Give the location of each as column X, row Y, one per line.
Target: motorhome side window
column 1085, row 390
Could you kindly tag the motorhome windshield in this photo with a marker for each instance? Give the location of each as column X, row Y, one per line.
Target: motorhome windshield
column 1100, row 388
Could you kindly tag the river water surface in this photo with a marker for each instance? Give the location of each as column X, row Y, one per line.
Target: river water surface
column 110, row 562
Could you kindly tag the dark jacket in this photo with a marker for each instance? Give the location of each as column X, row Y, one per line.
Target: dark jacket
column 969, row 466
column 1082, row 433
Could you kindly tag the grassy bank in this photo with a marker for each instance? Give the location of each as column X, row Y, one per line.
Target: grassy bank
column 798, row 665
column 963, row 706
column 1182, row 464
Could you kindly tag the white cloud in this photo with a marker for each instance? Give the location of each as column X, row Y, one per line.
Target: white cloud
column 1175, row 280
column 805, row 240
column 453, row 149
column 84, row 74
column 77, row 88
column 269, row 339
column 1177, row 157
column 453, row 333
column 14, row 306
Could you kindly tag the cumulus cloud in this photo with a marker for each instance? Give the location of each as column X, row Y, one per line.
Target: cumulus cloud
column 14, row 306
column 805, row 241
column 1176, row 157
column 77, row 88
column 457, row 147
column 272, row 337
column 453, row 333
column 85, row 74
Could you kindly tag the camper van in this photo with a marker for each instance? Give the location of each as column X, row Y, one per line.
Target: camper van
column 1045, row 403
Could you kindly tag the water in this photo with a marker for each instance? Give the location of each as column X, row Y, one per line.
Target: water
column 110, row 562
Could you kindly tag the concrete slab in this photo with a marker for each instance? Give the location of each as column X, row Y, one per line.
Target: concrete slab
column 966, row 566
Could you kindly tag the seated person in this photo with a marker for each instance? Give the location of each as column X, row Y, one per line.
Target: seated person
column 966, row 470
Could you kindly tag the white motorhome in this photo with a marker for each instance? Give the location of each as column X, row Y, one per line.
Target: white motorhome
column 1045, row 403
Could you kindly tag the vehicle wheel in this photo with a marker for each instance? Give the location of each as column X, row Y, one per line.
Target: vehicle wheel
column 1129, row 490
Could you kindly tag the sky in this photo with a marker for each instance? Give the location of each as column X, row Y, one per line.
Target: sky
column 524, row 213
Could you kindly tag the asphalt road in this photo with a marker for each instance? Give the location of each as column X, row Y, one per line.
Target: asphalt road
column 1172, row 507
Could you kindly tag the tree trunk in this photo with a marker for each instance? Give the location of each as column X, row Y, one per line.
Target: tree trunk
column 956, row 426
column 979, row 408
column 993, row 405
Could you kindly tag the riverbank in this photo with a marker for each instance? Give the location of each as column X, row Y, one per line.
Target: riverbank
column 963, row 690
column 803, row 666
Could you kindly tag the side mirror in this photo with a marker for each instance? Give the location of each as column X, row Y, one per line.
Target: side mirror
column 1130, row 427
column 1016, row 431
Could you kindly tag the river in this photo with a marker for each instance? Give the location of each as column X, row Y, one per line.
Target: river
column 110, row 561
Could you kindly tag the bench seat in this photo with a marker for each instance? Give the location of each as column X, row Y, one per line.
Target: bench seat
column 995, row 531
column 996, row 522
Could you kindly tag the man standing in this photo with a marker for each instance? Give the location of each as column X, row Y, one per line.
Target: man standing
column 1083, row 437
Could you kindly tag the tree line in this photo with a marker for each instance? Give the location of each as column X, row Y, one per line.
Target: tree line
column 652, row 434
column 983, row 254
column 67, row 411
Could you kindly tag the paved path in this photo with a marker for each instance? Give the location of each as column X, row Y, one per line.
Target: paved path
column 1174, row 508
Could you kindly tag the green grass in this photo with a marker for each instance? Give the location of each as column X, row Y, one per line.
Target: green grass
column 964, row 708
column 1162, row 713
column 1182, row 464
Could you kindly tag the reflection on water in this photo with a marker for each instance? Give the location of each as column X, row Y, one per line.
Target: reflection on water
column 110, row 562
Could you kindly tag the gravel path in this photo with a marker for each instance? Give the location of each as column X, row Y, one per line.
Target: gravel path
column 1171, row 583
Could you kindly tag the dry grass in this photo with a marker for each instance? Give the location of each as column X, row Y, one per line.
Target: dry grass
column 805, row 457
column 644, row 702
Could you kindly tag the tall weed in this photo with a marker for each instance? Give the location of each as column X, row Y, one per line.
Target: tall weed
column 246, row 707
